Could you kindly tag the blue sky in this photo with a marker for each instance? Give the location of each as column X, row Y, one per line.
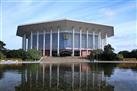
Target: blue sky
column 122, row 14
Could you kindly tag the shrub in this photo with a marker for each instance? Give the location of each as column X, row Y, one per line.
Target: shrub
column 15, row 53
column 33, row 54
column 107, row 54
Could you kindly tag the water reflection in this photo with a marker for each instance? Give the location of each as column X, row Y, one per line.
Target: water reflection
column 60, row 77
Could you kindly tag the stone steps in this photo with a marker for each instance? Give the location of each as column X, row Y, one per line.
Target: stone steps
column 63, row 59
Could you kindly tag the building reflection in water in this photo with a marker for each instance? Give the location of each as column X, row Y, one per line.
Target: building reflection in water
column 68, row 77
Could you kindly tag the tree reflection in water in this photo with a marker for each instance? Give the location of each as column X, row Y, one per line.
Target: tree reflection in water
column 63, row 77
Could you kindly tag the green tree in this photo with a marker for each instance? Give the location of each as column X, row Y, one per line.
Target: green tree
column 2, row 44
column 34, row 54
column 108, row 49
column 108, row 53
column 2, row 55
column 125, row 53
column 97, row 53
column 134, row 53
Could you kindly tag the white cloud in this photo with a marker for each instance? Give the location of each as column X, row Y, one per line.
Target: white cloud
column 109, row 13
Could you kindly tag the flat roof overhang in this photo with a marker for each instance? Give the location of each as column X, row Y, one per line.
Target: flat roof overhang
column 65, row 25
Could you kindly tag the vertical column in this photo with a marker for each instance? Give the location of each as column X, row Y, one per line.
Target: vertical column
column 51, row 42
column 104, row 42
column 93, row 40
column 99, row 40
column 73, row 40
column 37, row 40
column 58, row 42
column 44, row 43
column 80, row 41
column 102, row 46
column 28, row 47
column 87, row 42
column 106, row 39
column 24, row 42
column 31, row 40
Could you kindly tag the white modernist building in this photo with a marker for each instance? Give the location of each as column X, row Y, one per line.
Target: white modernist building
column 64, row 36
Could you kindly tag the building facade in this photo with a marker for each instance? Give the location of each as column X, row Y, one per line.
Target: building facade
column 54, row 37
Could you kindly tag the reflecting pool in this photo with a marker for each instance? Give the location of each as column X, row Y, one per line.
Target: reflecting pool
column 68, row 77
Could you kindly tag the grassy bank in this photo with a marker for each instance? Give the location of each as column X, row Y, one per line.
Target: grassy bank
column 124, row 65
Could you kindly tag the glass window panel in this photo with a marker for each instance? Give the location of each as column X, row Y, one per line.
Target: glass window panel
column 47, row 41
column 34, row 43
column 54, row 41
column 40, row 41
column 90, row 41
column 77, row 41
column 96, row 41
column 84, row 41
